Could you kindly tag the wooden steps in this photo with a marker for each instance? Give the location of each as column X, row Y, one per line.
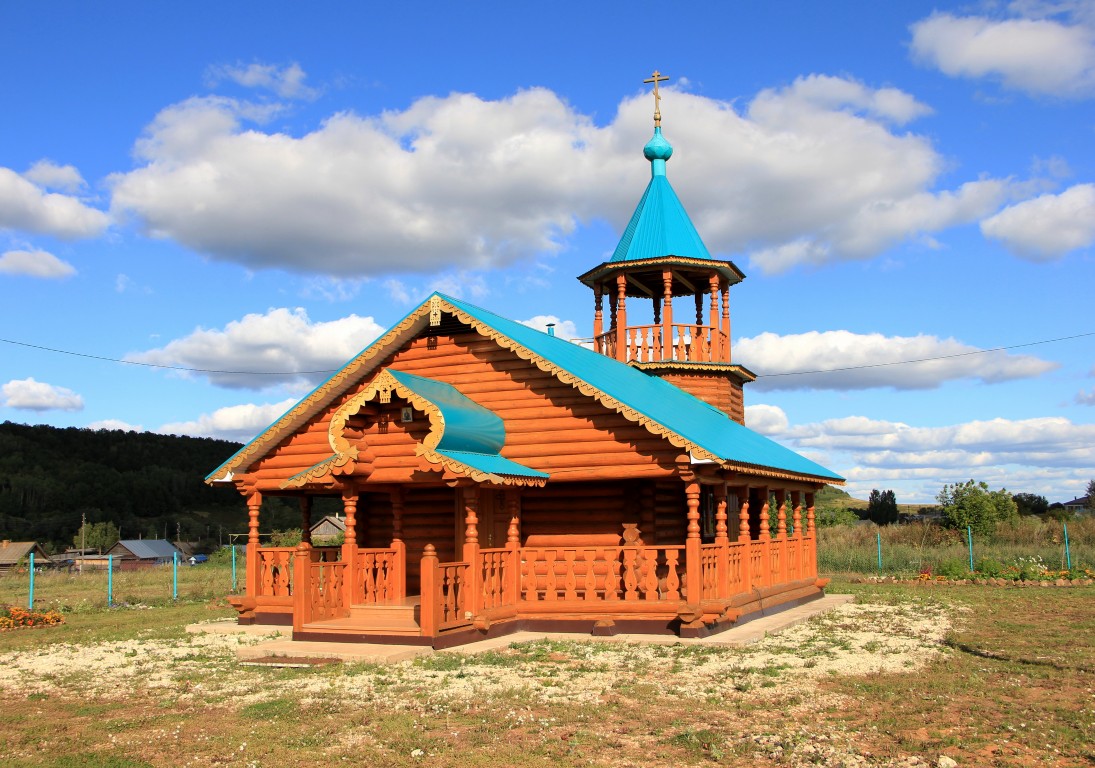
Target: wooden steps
column 396, row 619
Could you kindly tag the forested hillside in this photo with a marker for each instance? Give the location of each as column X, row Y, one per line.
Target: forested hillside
column 142, row 482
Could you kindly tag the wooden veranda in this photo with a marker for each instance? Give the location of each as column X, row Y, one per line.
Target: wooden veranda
column 600, row 582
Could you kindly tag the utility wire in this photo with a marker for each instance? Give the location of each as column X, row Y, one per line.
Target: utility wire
column 927, row 359
column 158, row 365
column 332, row 370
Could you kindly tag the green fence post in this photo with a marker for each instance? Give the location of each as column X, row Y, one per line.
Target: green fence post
column 30, row 598
column 969, row 541
column 1068, row 555
column 174, row 575
column 233, row 568
column 109, row 580
column 878, row 536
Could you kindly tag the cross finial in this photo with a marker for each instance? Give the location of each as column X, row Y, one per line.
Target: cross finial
column 656, row 78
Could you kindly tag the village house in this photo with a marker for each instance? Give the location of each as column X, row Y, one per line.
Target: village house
column 494, row 477
column 15, row 555
column 133, row 554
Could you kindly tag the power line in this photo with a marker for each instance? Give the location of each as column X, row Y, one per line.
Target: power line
column 158, row 365
column 927, row 359
column 332, row 370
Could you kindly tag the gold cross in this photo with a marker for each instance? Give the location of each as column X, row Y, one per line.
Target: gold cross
column 658, row 77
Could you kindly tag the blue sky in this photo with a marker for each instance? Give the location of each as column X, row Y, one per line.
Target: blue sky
column 267, row 186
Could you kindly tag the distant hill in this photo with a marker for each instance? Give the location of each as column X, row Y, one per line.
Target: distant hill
column 147, row 484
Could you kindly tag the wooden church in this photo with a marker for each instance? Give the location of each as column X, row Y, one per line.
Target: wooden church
column 494, row 477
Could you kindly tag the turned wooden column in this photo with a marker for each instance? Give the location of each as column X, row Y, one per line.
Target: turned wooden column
column 512, row 587
column 715, row 353
column 667, row 315
column 349, row 543
column 302, row 592
column 621, row 317
column 743, row 515
column 471, row 548
column 798, row 566
column 811, row 534
column 720, row 514
column 726, row 319
column 765, row 533
column 692, row 545
column 598, row 317
column 306, row 519
column 744, row 540
column 781, row 514
column 765, row 577
column 254, row 504
column 721, row 539
column 399, row 587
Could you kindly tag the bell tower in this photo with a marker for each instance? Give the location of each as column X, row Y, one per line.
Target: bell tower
column 659, row 261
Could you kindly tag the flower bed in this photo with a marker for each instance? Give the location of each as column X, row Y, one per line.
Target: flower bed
column 21, row 618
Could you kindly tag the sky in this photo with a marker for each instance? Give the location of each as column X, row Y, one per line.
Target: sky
column 200, row 200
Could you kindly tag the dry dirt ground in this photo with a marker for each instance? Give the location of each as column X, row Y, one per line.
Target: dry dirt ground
column 185, row 700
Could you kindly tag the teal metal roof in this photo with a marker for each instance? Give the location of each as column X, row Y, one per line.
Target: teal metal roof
column 469, row 427
column 660, row 226
column 671, row 407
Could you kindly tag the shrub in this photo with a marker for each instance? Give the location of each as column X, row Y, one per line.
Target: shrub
column 828, row 517
column 953, row 569
column 990, row 567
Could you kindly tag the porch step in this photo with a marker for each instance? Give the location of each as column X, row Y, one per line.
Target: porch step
column 385, row 617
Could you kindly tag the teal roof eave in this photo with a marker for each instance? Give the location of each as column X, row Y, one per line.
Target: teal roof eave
column 663, row 403
column 659, row 226
column 493, row 464
column 725, row 268
column 469, row 427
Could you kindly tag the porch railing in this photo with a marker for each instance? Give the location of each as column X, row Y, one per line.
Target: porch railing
column 327, row 591
column 445, row 595
column 687, row 342
column 608, row 574
column 275, row 566
column 377, row 576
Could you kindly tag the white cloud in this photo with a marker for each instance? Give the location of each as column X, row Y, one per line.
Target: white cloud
column 1083, row 397
column 235, row 422
column 564, row 329
column 287, row 82
column 49, row 175
column 455, row 181
column 35, row 264
column 1035, row 55
column 280, row 340
column 770, row 355
column 766, row 419
column 812, row 173
column 1039, row 455
column 115, row 424
column 26, row 207
column 459, row 285
column 30, row 395
column 1048, row 226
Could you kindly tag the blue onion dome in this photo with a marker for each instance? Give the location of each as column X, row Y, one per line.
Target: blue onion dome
column 658, row 148
column 657, row 151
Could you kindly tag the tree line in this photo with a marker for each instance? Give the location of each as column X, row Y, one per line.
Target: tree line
column 970, row 504
column 144, row 485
